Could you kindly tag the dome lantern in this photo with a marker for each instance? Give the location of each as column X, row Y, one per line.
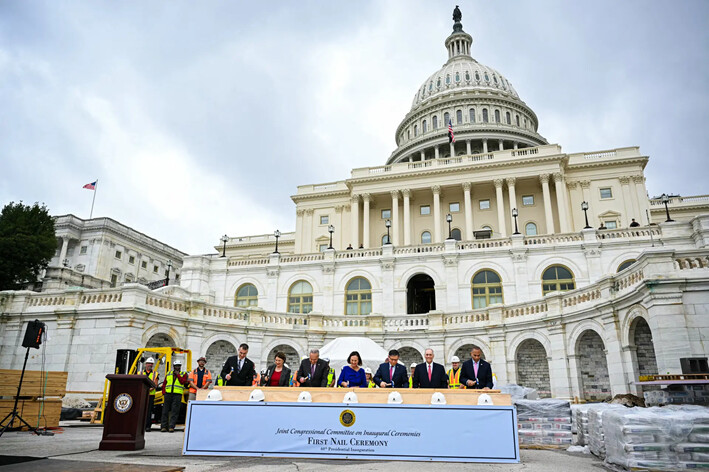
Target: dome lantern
column 458, row 43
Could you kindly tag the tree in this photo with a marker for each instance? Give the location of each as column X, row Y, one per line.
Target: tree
column 27, row 243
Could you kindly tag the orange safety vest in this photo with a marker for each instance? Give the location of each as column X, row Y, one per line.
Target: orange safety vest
column 257, row 380
column 152, row 375
column 454, row 379
column 192, row 377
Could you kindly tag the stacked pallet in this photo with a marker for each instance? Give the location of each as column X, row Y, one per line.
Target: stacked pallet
column 544, row 423
column 40, row 399
column 595, row 438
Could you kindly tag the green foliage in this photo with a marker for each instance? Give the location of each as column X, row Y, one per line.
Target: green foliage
column 27, row 243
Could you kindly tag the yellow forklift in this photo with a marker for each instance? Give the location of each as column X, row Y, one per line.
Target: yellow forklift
column 130, row 361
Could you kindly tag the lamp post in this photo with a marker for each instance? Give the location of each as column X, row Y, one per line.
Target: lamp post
column 167, row 275
column 388, row 225
column 515, row 214
column 449, row 218
column 330, row 229
column 666, row 200
column 225, row 238
column 277, row 234
column 584, row 207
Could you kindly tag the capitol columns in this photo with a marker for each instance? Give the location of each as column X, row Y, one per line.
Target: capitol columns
column 309, row 229
column 585, row 191
column 468, row 211
column 354, row 223
column 407, row 216
column 642, row 199
column 513, row 198
column 561, row 202
column 395, row 217
column 548, row 216
column 630, row 206
column 299, row 235
column 500, row 202
column 366, row 198
column 484, row 145
column 436, row 189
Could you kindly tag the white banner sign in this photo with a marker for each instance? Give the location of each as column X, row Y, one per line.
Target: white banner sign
column 455, row 433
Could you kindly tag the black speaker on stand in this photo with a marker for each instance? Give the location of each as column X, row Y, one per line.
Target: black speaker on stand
column 33, row 339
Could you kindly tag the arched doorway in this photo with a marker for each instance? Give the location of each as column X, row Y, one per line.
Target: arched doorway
column 217, row 354
column 593, row 366
column 463, row 353
column 645, row 360
column 533, row 367
column 292, row 358
column 409, row 355
column 160, row 340
column 420, row 294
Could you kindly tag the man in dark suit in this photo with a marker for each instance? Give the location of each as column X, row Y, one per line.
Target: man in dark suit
column 392, row 374
column 475, row 372
column 313, row 371
column 429, row 374
column 239, row 370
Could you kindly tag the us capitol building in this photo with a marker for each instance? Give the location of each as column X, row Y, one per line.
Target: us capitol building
column 478, row 241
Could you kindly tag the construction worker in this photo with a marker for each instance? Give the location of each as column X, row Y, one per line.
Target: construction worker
column 220, row 382
column 173, row 387
column 200, row 378
column 412, row 367
column 152, row 375
column 370, row 382
column 330, row 374
column 454, row 374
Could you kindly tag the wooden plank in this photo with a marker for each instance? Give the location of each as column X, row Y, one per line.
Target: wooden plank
column 416, row 396
column 33, row 384
column 29, row 410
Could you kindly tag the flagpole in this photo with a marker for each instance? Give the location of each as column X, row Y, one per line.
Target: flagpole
column 93, row 200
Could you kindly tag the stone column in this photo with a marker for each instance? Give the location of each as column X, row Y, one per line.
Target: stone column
column 308, row 240
column 62, row 253
column 561, row 202
column 513, row 198
column 354, row 214
column 395, row 217
column 366, row 198
column 559, row 378
column 586, row 193
column 500, row 202
column 574, row 205
column 452, row 145
column 515, row 145
column 299, row 230
column 642, row 200
column 467, row 146
column 468, row 211
column 629, row 205
column 437, row 152
column 544, row 179
column 485, row 146
column 407, row 216
column 436, row 189
column 340, row 236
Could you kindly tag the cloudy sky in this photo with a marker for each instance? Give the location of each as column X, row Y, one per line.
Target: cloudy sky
column 202, row 118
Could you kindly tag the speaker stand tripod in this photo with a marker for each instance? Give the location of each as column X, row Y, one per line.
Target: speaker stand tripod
column 10, row 418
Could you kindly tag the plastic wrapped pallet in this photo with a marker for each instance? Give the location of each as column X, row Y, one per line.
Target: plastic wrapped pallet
column 519, row 392
column 544, row 422
column 659, row 438
column 579, row 422
column 596, row 437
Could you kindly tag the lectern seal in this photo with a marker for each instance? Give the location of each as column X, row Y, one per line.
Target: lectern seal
column 123, row 403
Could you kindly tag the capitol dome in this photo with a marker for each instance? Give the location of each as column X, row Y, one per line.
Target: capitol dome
column 482, row 106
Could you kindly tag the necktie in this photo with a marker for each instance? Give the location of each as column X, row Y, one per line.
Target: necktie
column 391, row 375
column 429, row 372
column 241, row 365
column 312, row 370
column 475, row 366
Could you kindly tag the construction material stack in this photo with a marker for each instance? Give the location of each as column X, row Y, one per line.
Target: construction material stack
column 544, row 423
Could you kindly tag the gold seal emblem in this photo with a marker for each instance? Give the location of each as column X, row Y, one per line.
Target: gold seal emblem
column 347, row 418
column 123, row 403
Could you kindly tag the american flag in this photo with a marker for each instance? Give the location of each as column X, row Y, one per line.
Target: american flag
column 451, row 136
column 91, row 186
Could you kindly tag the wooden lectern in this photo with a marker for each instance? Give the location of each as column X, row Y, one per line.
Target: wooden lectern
column 125, row 413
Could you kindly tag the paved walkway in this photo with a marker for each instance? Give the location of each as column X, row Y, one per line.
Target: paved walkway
column 80, row 443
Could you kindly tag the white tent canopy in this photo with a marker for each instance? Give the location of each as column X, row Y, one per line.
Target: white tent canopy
column 339, row 349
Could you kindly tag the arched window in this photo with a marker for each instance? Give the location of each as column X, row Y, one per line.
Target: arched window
column 508, row 117
column 557, row 278
column 446, row 119
column 425, row 237
column 448, row 79
column 459, row 116
column 300, row 297
column 497, row 116
column 408, row 134
column 530, row 229
column 626, row 264
column 435, row 122
column 416, row 130
column 457, row 76
column 517, row 118
column 455, row 234
column 246, row 295
column 472, row 115
column 487, row 288
column 485, row 116
column 424, row 126
column 358, row 297
column 486, row 227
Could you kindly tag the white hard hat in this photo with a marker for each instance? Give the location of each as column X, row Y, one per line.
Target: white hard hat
column 177, row 362
column 455, row 359
column 395, row 397
column 326, row 359
column 438, row 399
column 286, row 365
column 367, row 370
column 257, row 396
column 305, row 397
column 214, row 395
column 350, row 397
column 413, row 364
column 485, row 399
column 150, row 360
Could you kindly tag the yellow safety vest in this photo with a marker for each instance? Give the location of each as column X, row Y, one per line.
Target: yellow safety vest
column 371, row 384
column 454, row 379
column 154, row 377
column 173, row 384
column 220, row 381
column 411, row 381
column 330, row 376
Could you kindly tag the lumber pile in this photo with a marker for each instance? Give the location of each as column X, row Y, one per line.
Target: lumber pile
column 40, row 399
